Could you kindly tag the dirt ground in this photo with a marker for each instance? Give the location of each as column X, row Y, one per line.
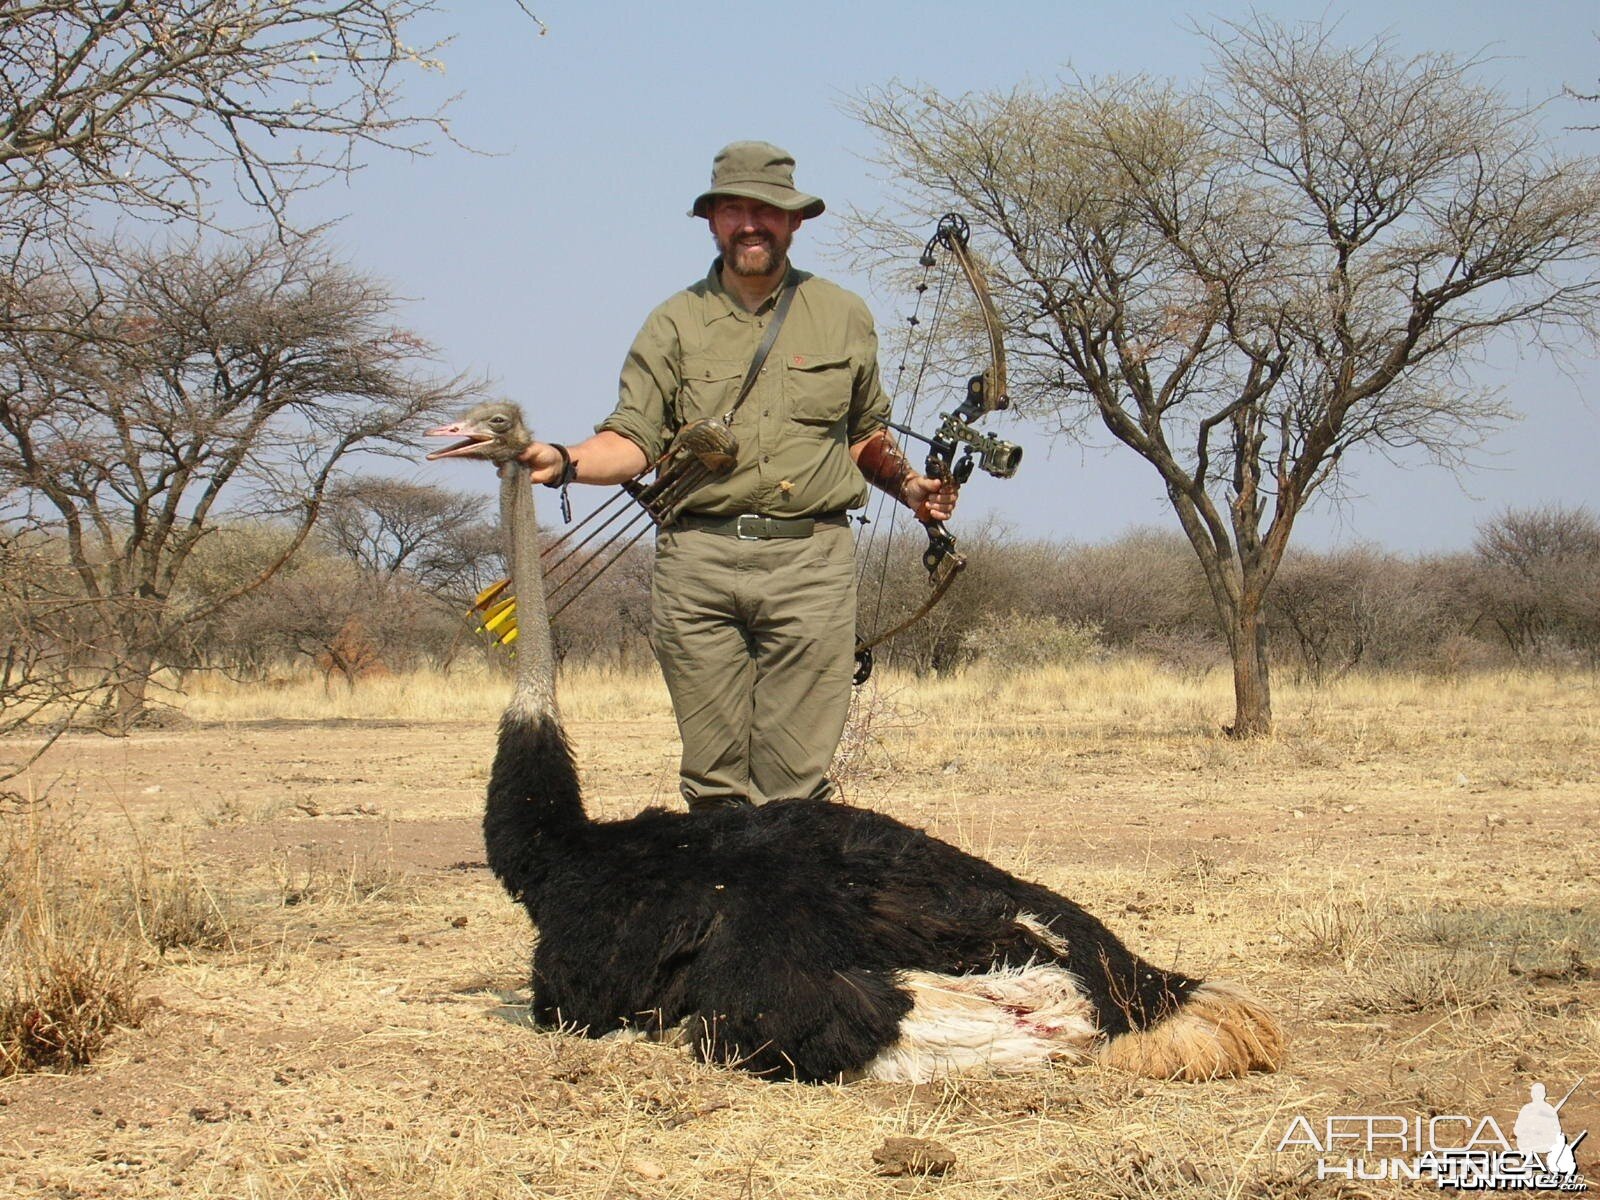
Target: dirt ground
column 1408, row 876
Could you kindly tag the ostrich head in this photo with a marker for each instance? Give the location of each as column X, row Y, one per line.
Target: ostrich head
column 493, row 431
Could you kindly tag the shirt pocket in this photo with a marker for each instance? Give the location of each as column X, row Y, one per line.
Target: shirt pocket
column 710, row 386
column 819, row 387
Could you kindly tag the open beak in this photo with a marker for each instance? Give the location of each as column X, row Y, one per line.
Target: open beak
column 466, row 448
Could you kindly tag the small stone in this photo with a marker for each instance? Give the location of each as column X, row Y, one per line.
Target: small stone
column 913, row 1156
column 646, row 1168
column 458, row 922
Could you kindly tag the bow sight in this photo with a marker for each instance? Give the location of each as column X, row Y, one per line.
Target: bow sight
column 996, row 456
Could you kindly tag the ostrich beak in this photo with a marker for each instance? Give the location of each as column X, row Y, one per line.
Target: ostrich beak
column 472, row 440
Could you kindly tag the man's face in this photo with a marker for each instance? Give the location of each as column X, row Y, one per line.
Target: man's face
column 752, row 236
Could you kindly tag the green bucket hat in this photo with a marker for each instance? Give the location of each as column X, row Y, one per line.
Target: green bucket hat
column 756, row 171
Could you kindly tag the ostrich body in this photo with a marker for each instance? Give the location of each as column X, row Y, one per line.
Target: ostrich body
column 806, row 939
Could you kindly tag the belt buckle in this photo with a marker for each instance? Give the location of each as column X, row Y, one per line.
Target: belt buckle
column 739, row 527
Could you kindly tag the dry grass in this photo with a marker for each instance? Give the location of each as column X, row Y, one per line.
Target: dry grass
column 1404, row 873
column 174, row 908
column 69, row 956
column 78, row 923
column 320, row 875
column 588, row 694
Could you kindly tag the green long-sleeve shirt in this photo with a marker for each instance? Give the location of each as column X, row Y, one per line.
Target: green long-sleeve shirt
column 818, row 393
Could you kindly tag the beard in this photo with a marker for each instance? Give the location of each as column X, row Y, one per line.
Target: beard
column 756, row 255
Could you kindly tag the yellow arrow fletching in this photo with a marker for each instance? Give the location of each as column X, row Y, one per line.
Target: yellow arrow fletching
column 496, row 612
column 488, row 595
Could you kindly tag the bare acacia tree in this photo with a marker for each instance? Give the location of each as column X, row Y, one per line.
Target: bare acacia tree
column 156, row 391
column 422, row 546
column 145, row 105
column 1245, row 279
column 166, row 112
column 437, row 537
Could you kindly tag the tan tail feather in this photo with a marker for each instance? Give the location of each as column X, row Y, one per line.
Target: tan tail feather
column 1221, row 1031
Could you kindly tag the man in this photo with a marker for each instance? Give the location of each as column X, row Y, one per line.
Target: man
column 753, row 602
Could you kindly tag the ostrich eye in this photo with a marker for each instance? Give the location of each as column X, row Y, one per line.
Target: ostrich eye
column 499, row 422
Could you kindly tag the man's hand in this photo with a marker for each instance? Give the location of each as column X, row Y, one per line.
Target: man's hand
column 930, row 499
column 544, row 462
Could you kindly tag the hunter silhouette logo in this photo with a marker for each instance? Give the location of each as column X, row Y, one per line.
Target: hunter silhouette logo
column 1538, row 1132
column 1454, row 1151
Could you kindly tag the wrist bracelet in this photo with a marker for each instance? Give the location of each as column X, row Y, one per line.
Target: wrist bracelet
column 569, row 469
column 569, row 472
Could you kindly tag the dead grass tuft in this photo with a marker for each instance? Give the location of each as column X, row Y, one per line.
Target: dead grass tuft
column 70, row 970
column 1418, row 981
column 1337, row 928
column 176, row 909
column 323, row 876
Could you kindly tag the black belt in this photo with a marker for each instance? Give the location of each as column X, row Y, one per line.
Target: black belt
column 753, row 527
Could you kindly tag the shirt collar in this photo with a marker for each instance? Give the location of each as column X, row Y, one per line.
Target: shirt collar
column 729, row 306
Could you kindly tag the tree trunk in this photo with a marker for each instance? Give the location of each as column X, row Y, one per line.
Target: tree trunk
column 1252, row 689
column 129, row 690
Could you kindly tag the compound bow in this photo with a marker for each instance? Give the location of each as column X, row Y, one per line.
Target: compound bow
column 956, row 432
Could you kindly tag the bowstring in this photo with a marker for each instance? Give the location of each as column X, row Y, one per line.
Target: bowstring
column 941, row 301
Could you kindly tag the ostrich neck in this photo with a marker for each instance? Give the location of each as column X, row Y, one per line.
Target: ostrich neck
column 533, row 793
column 534, row 692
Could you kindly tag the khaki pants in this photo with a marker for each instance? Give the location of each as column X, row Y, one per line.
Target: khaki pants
column 756, row 640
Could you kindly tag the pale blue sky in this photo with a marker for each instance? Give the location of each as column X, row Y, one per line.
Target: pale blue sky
column 536, row 265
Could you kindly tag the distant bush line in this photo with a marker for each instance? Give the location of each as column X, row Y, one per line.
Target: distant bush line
column 1528, row 591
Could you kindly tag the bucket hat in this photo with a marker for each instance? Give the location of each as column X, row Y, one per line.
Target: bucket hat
column 756, row 171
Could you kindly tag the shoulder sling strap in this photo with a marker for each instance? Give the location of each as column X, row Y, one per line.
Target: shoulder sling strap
column 780, row 310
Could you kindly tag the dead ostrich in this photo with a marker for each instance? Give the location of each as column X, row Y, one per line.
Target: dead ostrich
column 803, row 939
